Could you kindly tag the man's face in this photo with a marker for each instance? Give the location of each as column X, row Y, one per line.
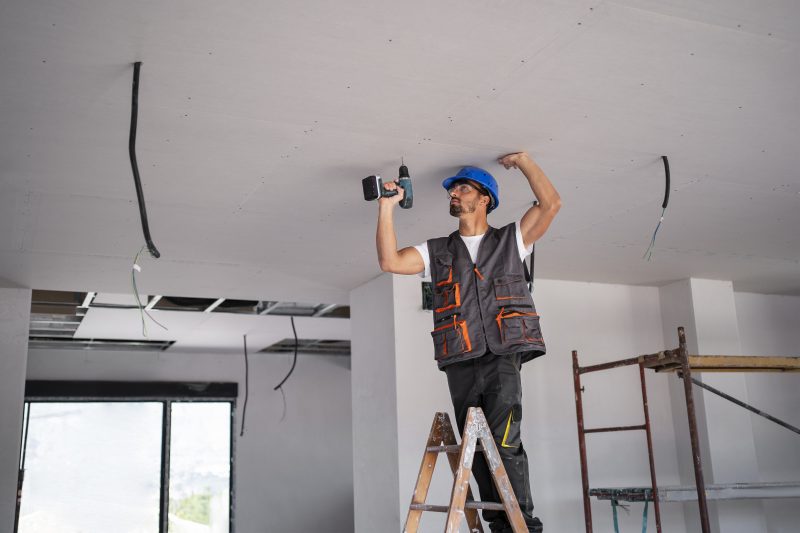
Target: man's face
column 464, row 198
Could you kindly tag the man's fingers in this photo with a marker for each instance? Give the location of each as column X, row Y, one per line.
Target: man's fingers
column 511, row 160
column 392, row 186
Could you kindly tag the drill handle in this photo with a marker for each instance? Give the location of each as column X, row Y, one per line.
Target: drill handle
column 408, row 198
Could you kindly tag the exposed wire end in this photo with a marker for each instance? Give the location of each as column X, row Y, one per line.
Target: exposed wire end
column 648, row 254
column 142, row 311
column 294, row 361
column 151, row 247
column 165, row 328
column 134, row 268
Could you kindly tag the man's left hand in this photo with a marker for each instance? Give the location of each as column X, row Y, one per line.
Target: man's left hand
column 513, row 160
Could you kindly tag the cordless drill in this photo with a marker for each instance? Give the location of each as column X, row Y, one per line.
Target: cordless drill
column 373, row 188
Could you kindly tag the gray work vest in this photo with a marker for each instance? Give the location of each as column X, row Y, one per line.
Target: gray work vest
column 483, row 307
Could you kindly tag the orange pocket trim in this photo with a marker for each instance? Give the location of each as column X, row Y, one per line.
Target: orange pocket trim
column 448, row 280
column 464, row 331
column 457, row 298
column 513, row 314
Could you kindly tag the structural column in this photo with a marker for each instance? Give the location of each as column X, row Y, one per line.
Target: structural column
column 397, row 388
column 15, row 312
column 707, row 310
column 373, row 354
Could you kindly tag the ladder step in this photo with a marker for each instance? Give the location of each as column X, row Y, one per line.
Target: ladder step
column 451, row 448
column 490, row 506
column 617, row 428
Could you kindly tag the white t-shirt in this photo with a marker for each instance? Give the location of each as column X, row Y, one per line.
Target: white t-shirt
column 473, row 242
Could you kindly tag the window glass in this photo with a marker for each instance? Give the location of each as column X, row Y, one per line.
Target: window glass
column 92, row 468
column 199, row 481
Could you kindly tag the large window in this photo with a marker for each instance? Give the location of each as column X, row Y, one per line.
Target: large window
column 127, row 458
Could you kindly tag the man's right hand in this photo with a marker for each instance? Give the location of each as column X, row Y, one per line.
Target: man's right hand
column 392, row 200
column 405, row 261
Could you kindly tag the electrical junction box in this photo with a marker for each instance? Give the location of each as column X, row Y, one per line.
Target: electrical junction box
column 427, row 296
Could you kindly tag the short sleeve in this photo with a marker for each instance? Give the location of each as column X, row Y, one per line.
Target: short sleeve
column 523, row 251
column 426, row 258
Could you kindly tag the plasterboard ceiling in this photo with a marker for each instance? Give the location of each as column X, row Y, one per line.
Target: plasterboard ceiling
column 257, row 121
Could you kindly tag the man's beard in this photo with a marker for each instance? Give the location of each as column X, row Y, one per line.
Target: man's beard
column 458, row 208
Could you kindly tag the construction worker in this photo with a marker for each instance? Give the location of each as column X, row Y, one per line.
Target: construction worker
column 485, row 322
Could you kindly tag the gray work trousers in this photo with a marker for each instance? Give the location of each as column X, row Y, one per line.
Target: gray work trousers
column 492, row 382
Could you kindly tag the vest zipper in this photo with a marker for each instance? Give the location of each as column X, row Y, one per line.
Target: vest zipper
column 480, row 304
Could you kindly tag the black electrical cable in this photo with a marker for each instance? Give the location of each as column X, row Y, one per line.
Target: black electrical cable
column 666, row 175
column 533, row 259
column 283, row 412
column 294, row 361
column 132, row 152
column 649, row 252
column 246, row 385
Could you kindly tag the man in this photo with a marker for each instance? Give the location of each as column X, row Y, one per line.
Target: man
column 485, row 323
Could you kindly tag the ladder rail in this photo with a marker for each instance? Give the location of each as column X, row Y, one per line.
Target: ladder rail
column 477, row 437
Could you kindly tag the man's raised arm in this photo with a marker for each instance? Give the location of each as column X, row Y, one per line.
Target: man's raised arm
column 537, row 219
column 405, row 261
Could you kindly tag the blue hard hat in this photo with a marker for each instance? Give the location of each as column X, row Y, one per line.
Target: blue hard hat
column 478, row 175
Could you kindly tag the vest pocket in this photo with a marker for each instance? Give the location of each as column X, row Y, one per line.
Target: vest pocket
column 517, row 327
column 442, row 269
column 451, row 339
column 447, row 297
column 511, row 287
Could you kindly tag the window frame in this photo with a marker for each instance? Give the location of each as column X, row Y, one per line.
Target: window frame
column 164, row 392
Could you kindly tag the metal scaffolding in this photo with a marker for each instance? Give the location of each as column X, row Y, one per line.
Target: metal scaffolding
column 679, row 360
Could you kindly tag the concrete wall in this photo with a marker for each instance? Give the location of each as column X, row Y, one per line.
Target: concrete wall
column 603, row 323
column 770, row 325
column 15, row 311
column 375, row 401
column 292, row 476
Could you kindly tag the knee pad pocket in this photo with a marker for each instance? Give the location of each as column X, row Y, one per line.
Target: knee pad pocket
column 511, row 433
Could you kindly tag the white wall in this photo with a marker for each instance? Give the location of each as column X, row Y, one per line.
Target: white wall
column 770, row 325
column 293, row 476
column 603, row 322
column 15, row 311
column 375, row 401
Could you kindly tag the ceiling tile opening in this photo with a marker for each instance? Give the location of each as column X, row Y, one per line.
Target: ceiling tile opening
column 310, row 346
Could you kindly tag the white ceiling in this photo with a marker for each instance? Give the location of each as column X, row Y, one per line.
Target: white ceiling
column 257, row 121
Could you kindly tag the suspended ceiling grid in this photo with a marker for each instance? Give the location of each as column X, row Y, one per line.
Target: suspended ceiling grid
column 107, row 321
column 258, row 120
